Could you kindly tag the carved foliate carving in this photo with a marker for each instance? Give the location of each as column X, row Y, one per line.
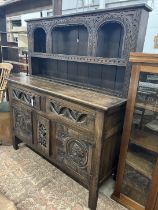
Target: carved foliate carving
column 95, row 60
column 43, row 134
column 27, row 97
column 76, row 152
column 73, row 149
column 129, row 19
column 23, row 123
column 71, row 114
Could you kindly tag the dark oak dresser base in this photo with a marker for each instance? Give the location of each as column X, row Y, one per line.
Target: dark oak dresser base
column 77, row 130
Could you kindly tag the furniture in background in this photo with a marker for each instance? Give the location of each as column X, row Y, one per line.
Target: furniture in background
column 5, row 124
column 3, row 41
column 71, row 107
column 5, row 69
column 15, row 52
column 136, row 183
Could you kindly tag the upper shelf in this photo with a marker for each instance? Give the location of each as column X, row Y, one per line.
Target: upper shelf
column 82, row 59
column 146, row 140
column 139, row 163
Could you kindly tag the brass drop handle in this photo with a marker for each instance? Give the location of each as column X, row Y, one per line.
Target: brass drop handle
column 32, row 100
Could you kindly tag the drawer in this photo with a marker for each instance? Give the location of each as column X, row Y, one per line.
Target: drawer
column 30, row 98
column 70, row 112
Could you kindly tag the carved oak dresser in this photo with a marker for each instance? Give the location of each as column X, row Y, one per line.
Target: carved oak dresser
column 71, row 107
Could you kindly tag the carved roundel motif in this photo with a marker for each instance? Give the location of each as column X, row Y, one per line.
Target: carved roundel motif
column 77, row 152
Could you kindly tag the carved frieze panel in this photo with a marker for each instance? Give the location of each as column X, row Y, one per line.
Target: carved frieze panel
column 43, row 135
column 71, row 113
column 26, row 97
column 73, row 150
column 23, row 123
column 129, row 19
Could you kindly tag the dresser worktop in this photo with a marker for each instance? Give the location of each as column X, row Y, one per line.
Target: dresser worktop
column 87, row 97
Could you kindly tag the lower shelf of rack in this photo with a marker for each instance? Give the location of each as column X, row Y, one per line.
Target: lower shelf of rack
column 127, row 202
column 140, row 164
column 146, row 140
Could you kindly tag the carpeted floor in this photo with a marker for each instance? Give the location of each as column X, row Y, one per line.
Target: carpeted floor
column 32, row 183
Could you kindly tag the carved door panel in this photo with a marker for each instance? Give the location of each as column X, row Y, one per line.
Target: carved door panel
column 74, row 150
column 43, row 135
column 22, row 123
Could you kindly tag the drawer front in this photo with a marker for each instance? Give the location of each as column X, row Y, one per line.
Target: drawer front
column 73, row 151
column 29, row 98
column 22, row 123
column 71, row 112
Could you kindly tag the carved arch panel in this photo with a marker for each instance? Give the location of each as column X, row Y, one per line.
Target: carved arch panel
column 110, row 40
column 70, row 40
column 39, row 40
column 129, row 19
column 50, row 24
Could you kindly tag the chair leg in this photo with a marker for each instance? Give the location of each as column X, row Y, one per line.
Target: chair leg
column 16, row 141
column 1, row 97
column 7, row 94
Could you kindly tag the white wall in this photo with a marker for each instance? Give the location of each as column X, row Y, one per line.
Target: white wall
column 69, row 6
column 29, row 16
column 32, row 16
column 152, row 30
column 74, row 6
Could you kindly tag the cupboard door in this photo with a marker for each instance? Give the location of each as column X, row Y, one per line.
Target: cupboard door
column 143, row 143
column 22, row 123
column 73, row 151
